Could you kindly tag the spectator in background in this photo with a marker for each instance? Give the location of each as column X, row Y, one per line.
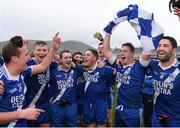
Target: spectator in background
column 77, row 58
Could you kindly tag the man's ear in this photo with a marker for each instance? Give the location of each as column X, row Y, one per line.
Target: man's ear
column 174, row 51
column 14, row 59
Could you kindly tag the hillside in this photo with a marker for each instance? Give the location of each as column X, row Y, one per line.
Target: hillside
column 72, row 46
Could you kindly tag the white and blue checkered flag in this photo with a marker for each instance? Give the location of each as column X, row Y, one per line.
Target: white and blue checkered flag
column 148, row 31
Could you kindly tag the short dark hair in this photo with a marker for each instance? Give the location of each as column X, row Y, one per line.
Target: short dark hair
column 94, row 52
column 11, row 48
column 101, row 43
column 77, row 53
column 171, row 39
column 128, row 44
column 174, row 3
column 40, row 42
column 62, row 52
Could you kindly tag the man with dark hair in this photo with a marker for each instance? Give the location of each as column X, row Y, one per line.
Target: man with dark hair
column 166, row 79
column 129, row 78
column 63, row 82
column 12, row 108
column 111, row 93
column 38, row 88
column 176, row 7
column 95, row 93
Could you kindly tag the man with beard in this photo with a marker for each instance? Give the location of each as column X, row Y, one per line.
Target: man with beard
column 166, row 79
column 129, row 80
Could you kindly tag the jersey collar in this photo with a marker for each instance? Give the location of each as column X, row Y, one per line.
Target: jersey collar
column 8, row 75
column 174, row 64
column 60, row 69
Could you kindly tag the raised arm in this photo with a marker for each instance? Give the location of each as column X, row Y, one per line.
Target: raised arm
column 43, row 66
column 106, row 47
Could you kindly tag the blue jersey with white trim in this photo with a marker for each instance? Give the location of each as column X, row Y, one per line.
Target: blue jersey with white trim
column 129, row 80
column 97, row 83
column 166, row 84
column 35, row 82
column 63, row 84
column 13, row 98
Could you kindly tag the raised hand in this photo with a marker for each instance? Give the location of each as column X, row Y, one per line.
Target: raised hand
column 56, row 42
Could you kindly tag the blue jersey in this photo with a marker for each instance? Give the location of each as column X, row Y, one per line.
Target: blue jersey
column 13, row 98
column 129, row 80
column 96, row 83
column 35, row 82
column 63, row 84
column 166, row 84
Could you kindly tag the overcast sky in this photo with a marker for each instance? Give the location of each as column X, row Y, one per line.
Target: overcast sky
column 78, row 19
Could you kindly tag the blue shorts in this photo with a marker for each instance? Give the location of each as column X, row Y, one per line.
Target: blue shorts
column 173, row 122
column 44, row 116
column 128, row 117
column 64, row 116
column 95, row 113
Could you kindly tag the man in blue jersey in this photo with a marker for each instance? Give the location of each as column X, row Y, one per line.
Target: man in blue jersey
column 95, row 93
column 110, row 96
column 38, row 90
column 129, row 81
column 13, row 73
column 166, row 79
column 63, row 81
